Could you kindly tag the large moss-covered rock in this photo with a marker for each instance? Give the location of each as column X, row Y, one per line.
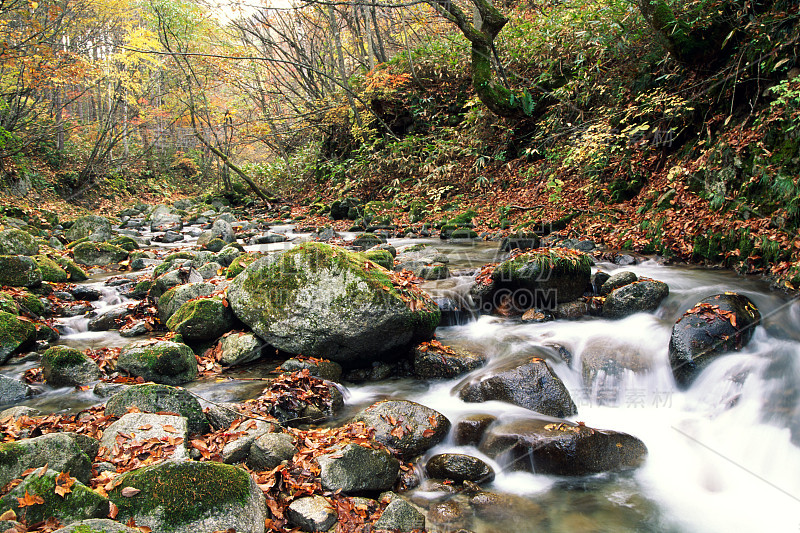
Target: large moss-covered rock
column 96, row 228
column 241, row 262
column 532, row 385
column 190, row 497
column 561, row 448
column 174, row 298
column 63, row 366
column 78, row 504
column 322, row 301
column 717, row 324
column 125, row 242
column 75, row 272
column 17, row 242
column 640, row 296
column 51, row 271
column 355, row 468
column 155, row 398
column 60, row 451
column 170, row 363
column 19, row 271
column 98, row 254
column 202, row 319
column 422, row 427
column 16, row 335
column 540, row 278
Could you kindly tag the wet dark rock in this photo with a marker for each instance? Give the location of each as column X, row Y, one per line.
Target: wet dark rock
column 616, row 281
column 598, row 278
column 88, row 294
column 459, row 467
column 532, row 385
column 644, row 295
column 469, row 430
column 423, row 427
column 453, row 312
column 571, row 310
column 354, row 468
column 561, row 448
column 707, row 331
column 524, row 241
column 320, row 368
column 433, row 363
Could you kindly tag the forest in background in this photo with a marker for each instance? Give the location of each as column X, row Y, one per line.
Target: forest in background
column 657, row 126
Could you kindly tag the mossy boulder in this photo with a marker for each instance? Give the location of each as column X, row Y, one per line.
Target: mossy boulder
column 189, row 497
column 382, row 257
column 174, row 298
column 323, row 301
column 367, row 240
column 561, row 448
column 97, row 525
column 126, row 243
column 17, row 242
column 170, row 363
column 7, row 304
column 63, row 366
column 173, row 278
column 716, row 325
column 155, row 398
column 29, row 303
column 423, row 427
column 241, row 262
column 355, row 468
column 51, row 271
column 78, row 504
column 60, row 451
column 214, row 244
column 532, row 385
column 202, row 319
column 93, row 227
column 98, row 254
column 19, row 271
column 16, row 335
column 74, row 272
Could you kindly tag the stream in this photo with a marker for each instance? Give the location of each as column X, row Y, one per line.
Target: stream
column 721, row 456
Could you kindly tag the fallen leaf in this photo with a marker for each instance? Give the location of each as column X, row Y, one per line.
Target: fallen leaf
column 30, row 499
column 130, row 492
column 8, row 515
column 113, row 510
column 169, row 429
column 64, row 483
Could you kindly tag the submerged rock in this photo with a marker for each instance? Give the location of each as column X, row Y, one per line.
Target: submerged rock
column 717, row 324
column 322, row 301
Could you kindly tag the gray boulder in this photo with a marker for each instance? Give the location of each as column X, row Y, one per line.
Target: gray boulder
column 427, row 426
column 140, row 427
column 355, row 468
column 17, row 242
column 561, row 448
column 239, row 449
column 320, row 301
column 401, row 516
column 60, row 451
column 271, row 449
column 459, row 467
column 166, row 362
column 532, row 385
column 98, row 254
column 96, row 228
column 154, row 398
column 13, row 390
column 717, row 324
column 66, row 367
column 239, row 348
column 311, row 513
column 190, row 497
column 640, row 296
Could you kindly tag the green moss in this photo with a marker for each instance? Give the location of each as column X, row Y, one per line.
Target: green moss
column 178, row 255
column 10, row 452
column 75, row 243
column 380, row 257
column 30, row 302
column 51, row 271
column 79, row 504
column 241, row 262
column 125, row 242
column 182, row 493
column 546, row 259
column 163, row 268
column 74, row 272
column 7, row 304
column 59, row 357
column 14, row 333
column 201, row 319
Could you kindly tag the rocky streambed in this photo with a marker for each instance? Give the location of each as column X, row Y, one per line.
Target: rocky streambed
column 189, row 369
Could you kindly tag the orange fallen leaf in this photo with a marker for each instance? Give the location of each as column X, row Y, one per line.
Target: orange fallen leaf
column 64, row 484
column 30, row 499
column 169, row 429
column 113, row 510
column 8, row 515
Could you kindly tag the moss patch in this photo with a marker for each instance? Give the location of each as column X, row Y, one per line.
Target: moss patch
column 51, row 271
column 79, row 504
column 59, row 357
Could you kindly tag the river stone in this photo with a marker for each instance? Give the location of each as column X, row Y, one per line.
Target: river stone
column 269, row 238
column 78, row 504
column 19, row 271
column 238, row 450
column 321, row 301
column 239, row 348
column 542, row 278
column 166, row 362
column 173, row 278
column 203, row 319
column 16, row 335
column 59, row 451
column 640, row 296
column 400, row 516
column 469, row 430
column 97, row 525
column 19, row 411
column 311, row 513
column 191, row 497
column 108, row 320
column 125, row 242
column 154, row 398
column 66, row 367
column 221, row 229
column 222, row 415
column 616, row 281
column 133, row 425
column 450, row 514
column 96, row 228
column 51, row 271
column 320, row 368
column 431, row 363
column 606, row 365
column 532, row 385
column 170, row 301
column 367, row 240
column 75, row 273
column 459, row 467
column 269, row 450
column 355, row 468
column 13, row 390
column 561, row 448
column 427, row 427
column 164, row 218
column 380, row 257
column 98, row 254
column 17, row 242
column 707, row 330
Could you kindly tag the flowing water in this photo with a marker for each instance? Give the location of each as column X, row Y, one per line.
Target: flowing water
column 721, row 456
